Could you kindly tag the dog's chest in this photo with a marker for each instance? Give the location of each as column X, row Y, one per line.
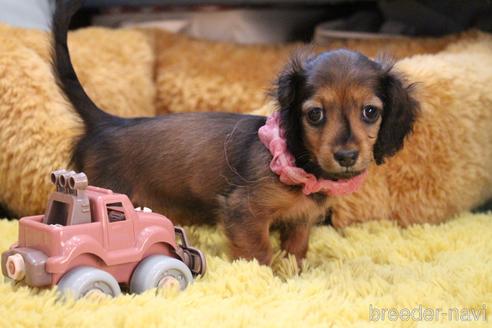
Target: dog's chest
column 302, row 207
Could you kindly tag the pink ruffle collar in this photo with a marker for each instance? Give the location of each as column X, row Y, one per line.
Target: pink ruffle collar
column 283, row 164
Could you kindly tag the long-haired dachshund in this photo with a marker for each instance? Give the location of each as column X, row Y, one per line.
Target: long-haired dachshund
column 337, row 113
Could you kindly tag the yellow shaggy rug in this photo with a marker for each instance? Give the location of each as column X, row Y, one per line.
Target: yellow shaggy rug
column 373, row 274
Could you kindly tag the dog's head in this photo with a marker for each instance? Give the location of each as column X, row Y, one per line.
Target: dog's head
column 340, row 111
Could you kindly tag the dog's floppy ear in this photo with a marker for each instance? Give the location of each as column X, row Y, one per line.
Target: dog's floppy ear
column 290, row 90
column 291, row 81
column 400, row 110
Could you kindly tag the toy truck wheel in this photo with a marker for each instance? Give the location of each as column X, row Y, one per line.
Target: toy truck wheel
column 83, row 281
column 160, row 271
column 16, row 268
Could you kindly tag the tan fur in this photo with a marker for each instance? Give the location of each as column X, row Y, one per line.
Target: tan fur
column 342, row 101
column 199, row 75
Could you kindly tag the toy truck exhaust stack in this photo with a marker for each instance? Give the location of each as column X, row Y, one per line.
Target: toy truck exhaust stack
column 91, row 240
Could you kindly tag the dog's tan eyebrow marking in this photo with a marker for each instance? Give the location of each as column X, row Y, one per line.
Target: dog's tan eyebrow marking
column 308, row 104
column 375, row 101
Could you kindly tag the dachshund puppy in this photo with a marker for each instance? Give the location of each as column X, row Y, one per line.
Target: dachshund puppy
column 337, row 113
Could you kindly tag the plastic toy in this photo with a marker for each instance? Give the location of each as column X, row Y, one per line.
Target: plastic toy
column 91, row 240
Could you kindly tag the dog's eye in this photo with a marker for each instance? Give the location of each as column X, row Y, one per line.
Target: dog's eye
column 370, row 114
column 315, row 115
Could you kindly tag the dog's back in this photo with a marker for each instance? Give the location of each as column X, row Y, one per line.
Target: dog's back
column 177, row 164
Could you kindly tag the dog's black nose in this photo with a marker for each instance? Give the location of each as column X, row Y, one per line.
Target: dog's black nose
column 346, row 158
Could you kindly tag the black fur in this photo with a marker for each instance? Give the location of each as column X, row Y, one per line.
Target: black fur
column 5, row 212
column 65, row 73
column 484, row 208
column 399, row 115
column 291, row 90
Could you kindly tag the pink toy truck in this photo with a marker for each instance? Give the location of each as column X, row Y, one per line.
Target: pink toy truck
column 91, row 240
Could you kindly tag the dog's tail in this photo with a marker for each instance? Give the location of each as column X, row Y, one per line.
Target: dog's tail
column 64, row 71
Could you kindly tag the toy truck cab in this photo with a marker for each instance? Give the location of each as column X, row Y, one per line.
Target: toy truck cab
column 93, row 235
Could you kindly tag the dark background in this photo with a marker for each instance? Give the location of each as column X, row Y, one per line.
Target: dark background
column 407, row 17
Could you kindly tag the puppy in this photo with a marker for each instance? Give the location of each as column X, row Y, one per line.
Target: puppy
column 337, row 113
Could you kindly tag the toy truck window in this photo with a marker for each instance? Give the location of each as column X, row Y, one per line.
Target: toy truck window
column 58, row 213
column 115, row 212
